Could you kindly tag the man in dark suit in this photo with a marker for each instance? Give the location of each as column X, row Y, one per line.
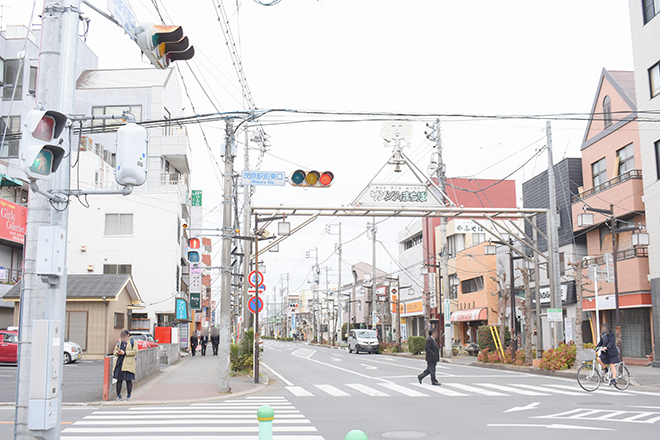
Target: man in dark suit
column 193, row 343
column 432, row 357
column 203, row 340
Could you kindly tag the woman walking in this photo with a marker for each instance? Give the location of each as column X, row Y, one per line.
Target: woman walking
column 124, row 368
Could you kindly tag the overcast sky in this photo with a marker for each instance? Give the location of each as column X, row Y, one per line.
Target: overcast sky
column 435, row 56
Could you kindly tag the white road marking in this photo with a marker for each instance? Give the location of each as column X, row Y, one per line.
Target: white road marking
column 463, row 387
column 335, row 392
column 529, row 425
column 604, row 414
column 607, row 393
column 547, row 390
column 183, row 429
column 369, row 367
column 440, row 390
column 286, row 382
column 196, row 437
column 511, row 389
column 204, row 415
column 299, row 391
column 367, row 390
column 532, row 405
column 403, row 390
column 207, row 421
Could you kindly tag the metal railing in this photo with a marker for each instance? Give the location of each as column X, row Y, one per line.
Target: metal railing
column 173, row 179
column 628, row 175
column 625, row 254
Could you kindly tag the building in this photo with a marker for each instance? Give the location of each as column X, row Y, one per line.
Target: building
column 360, row 305
column 572, row 247
column 612, row 163
column 645, row 29
column 411, row 280
column 98, row 308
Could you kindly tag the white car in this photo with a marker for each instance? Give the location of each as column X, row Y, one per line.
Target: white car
column 72, row 352
column 363, row 340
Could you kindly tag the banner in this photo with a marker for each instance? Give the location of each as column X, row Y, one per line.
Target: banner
column 14, row 221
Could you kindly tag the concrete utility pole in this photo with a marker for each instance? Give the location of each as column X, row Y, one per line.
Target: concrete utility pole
column 338, row 323
column 227, row 237
column 372, row 307
column 553, row 244
column 537, row 293
column 247, row 245
column 56, row 88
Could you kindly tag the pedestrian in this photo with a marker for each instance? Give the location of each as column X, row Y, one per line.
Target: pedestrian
column 215, row 340
column 610, row 354
column 193, row 343
column 203, row 340
column 432, row 357
column 124, row 368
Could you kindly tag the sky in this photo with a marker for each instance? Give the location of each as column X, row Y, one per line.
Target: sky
column 424, row 56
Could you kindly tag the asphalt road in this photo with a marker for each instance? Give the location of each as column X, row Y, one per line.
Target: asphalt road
column 321, row 394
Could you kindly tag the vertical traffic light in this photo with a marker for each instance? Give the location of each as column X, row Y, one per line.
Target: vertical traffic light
column 312, row 179
column 163, row 44
column 193, row 253
column 41, row 146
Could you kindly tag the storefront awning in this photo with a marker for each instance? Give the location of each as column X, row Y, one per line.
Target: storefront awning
column 6, row 180
column 479, row 314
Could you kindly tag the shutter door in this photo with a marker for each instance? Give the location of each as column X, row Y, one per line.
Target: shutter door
column 77, row 328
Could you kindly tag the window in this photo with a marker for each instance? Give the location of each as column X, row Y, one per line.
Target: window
column 599, row 172
column 607, row 111
column 119, row 320
column 2, row 72
column 10, row 338
column 119, row 224
column 412, row 241
column 12, row 80
column 136, row 110
column 657, row 158
column 453, row 284
column 12, row 125
column 472, row 285
column 651, row 9
column 32, row 86
column 626, row 157
column 654, row 80
column 113, row 269
column 478, row 238
column 455, row 243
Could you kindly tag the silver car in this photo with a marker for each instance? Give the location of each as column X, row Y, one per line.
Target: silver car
column 72, row 352
column 363, row 340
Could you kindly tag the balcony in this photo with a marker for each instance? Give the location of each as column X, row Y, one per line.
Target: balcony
column 172, row 143
column 626, row 190
column 178, row 181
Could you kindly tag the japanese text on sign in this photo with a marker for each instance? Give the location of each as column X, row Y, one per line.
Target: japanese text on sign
column 263, row 178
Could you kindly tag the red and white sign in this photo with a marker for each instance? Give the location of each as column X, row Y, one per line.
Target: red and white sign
column 13, row 221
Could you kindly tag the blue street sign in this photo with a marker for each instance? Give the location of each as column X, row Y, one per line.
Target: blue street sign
column 254, row 305
column 121, row 10
column 263, row 178
column 181, row 309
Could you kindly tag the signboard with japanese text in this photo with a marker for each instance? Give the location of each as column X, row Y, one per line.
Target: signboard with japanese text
column 463, row 226
column 381, row 291
column 181, row 309
column 195, row 301
column 412, row 308
column 263, row 178
column 555, row 315
column 195, row 279
column 121, row 10
column 396, row 195
column 13, row 221
column 394, row 297
column 544, row 293
column 196, row 197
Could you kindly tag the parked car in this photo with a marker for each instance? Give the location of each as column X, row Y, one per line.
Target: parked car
column 8, row 346
column 144, row 340
column 72, row 352
column 363, row 340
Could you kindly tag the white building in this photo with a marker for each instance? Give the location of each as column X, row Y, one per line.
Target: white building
column 645, row 27
column 411, row 280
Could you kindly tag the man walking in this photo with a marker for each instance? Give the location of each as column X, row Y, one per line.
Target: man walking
column 193, row 343
column 215, row 340
column 432, row 357
column 203, row 341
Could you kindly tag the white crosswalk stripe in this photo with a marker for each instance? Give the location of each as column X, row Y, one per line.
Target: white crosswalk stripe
column 507, row 389
column 403, row 390
column 440, row 390
column 367, row 390
column 333, row 391
column 476, row 390
column 548, row 390
column 229, row 420
column 299, row 391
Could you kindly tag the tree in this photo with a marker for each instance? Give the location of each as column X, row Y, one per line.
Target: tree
column 527, row 313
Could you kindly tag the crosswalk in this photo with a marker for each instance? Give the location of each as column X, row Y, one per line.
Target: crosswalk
column 227, row 420
column 454, row 389
column 647, row 417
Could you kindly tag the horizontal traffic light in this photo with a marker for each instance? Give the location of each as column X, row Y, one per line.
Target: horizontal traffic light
column 193, row 253
column 41, row 146
column 312, row 179
column 163, row 44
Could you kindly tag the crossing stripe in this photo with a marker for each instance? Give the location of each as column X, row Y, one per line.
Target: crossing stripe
column 569, row 387
column 511, row 389
column 168, row 410
column 548, row 390
column 197, row 437
column 132, row 416
column 440, row 390
column 463, row 387
column 335, row 392
column 183, row 429
column 299, row 391
column 367, row 390
column 207, row 421
column 403, row 390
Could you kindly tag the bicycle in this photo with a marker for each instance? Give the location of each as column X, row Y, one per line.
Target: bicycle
column 591, row 374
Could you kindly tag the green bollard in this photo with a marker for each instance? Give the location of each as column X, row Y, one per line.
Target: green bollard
column 265, row 415
column 355, row 434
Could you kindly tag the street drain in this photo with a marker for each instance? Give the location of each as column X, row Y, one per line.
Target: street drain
column 404, row 434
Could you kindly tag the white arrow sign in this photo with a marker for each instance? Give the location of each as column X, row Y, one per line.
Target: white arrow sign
column 532, row 405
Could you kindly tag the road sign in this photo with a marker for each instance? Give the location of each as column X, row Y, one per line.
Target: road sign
column 555, row 315
column 262, row 289
column 122, row 12
column 196, row 197
column 255, row 304
column 255, row 278
column 263, row 178
column 447, row 312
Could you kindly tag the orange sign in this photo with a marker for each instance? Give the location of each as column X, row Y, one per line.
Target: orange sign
column 411, row 308
column 14, row 221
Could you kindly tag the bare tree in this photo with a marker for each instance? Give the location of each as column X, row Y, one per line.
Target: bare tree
column 527, row 313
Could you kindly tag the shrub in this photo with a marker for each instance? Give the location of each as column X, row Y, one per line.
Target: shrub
column 395, row 349
column 521, row 359
column 240, row 355
column 495, row 357
column 483, row 355
column 589, row 345
column 416, row 344
column 486, row 338
column 561, row 358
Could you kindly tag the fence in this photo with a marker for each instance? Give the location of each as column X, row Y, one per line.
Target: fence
column 169, row 353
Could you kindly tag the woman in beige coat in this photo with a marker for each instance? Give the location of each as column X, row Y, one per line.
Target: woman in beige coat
column 124, row 368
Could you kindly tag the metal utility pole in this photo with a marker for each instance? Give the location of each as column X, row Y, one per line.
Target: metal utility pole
column 537, row 293
column 338, row 322
column 352, row 301
column 372, row 308
column 56, row 88
column 255, row 356
column 553, row 244
column 227, row 237
column 398, row 314
column 247, row 246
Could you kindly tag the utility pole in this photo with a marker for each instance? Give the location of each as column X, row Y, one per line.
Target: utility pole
column 39, row 300
column 553, row 244
column 338, row 322
column 537, row 293
column 247, row 246
column 255, row 355
column 512, row 294
column 227, row 237
column 352, row 301
column 372, row 307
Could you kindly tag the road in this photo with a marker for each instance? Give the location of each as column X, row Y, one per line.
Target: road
column 320, row 393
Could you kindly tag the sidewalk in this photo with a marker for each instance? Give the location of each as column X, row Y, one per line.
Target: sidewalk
column 192, row 379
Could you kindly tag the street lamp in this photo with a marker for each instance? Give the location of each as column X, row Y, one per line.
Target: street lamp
column 490, row 249
column 640, row 239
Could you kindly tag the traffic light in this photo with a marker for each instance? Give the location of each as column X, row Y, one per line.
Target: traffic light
column 194, row 254
column 163, row 44
column 41, row 147
column 312, row 179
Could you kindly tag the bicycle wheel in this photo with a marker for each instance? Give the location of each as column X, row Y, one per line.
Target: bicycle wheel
column 622, row 377
column 588, row 377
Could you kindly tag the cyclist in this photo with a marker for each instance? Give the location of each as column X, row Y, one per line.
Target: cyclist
column 610, row 354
